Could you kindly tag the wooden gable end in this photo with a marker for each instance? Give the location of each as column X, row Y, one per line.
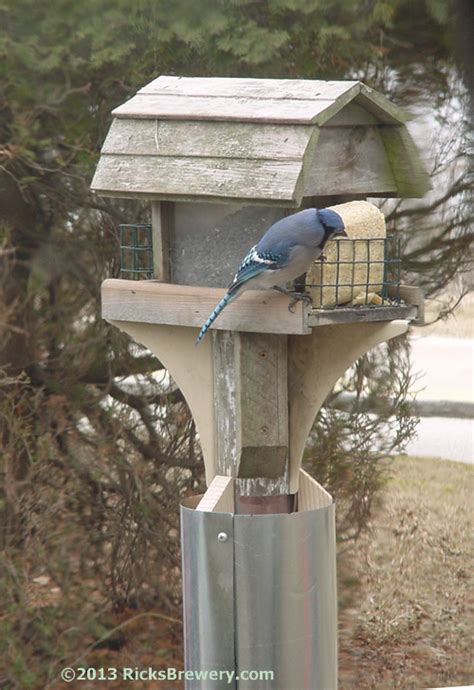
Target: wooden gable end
column 257, row 141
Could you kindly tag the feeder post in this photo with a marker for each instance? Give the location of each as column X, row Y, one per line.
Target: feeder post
column 251, row 411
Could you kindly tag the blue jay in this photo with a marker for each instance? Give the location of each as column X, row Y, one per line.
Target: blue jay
column 286, row 251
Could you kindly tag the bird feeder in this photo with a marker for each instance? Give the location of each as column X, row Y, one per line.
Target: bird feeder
column 220, row 160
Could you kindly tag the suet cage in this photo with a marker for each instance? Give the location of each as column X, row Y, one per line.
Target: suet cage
column 357, row 273
column 136, row 251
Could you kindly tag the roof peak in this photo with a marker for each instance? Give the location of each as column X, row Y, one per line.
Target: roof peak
column 277, row 101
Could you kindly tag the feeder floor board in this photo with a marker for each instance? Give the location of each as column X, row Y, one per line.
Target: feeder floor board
column 255, row 311
column 327, row 317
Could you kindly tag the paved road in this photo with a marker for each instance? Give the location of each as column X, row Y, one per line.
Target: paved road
column 446, row 367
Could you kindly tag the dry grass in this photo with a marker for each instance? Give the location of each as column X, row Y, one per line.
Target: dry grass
column 410, row 625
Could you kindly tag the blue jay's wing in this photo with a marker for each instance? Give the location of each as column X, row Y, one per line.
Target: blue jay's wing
column 255, row 263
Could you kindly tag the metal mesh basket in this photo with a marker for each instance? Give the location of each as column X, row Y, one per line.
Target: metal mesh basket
column 357, row 273
column 136, row 251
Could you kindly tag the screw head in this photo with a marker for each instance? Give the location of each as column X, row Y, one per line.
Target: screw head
column 222, row 536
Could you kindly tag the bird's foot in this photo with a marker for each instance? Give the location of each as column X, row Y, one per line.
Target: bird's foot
column 299, row 297
column 295, row 297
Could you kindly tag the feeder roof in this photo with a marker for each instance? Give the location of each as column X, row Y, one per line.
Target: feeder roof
column 258, row 140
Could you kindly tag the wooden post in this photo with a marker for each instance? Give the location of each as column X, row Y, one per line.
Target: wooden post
column 251, row 411
column 160, row 226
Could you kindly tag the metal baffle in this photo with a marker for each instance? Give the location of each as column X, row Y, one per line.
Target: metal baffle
column 208, row 593
column 263, row 600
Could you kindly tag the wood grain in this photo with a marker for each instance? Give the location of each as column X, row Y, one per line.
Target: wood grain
column 271, row 110
column 251, row 88
column 260, row 311
column 381, row 107
column 263, row 373
column 328, row 317
column 219, row 497
column 251, row 409
column 311, row 495
column 206, row 139
column 409, row 173
column 349, row 161
column 278, row 89
column 216, row 177
column 352, row 115
column 161, row 212
column 412, row 296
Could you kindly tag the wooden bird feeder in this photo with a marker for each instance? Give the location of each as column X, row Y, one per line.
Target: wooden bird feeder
column 220, row 160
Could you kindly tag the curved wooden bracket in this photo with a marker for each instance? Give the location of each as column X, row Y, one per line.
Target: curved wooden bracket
column 192, row 369
column 315, row 363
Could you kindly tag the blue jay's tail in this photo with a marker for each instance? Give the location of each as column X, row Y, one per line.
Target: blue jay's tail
column 228, row 297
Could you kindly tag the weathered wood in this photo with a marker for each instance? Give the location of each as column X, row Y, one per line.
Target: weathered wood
column 207, row 139
column 202, row 198
column 327, row 317
column 264, row 405
column 220, row 139
column 256, row 311
column 349, row 161
column 250, row 88
column 146, row 301
column 357, row 160
column 251, row 407
column 160, row 224
column 408, row 171
column 311, row 495
column 271, row 110
column 218, row 177
column 277, row 89
column 219, row 497
column 352, row 115
column 226, row 402
column 412, row 296
column 381, row 107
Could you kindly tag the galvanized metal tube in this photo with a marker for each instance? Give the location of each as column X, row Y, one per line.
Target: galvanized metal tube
column 261, row 599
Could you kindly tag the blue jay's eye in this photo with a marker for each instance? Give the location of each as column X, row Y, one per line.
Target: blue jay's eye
column 330, row 219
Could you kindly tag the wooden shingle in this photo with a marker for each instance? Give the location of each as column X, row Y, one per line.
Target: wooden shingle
column 270, row 141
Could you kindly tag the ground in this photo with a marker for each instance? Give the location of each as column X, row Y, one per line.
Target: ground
column 406, row 594
column 410, row 624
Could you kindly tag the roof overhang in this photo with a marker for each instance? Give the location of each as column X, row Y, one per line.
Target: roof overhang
column 258, row 141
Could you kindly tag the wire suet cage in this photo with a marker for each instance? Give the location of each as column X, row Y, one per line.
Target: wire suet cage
column 357, row 273
column 136, row 251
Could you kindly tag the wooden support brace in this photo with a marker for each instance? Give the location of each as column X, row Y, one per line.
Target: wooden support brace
column 251, row 408
column 160, row 224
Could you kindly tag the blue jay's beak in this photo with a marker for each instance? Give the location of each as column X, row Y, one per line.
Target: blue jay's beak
column 342, row 232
